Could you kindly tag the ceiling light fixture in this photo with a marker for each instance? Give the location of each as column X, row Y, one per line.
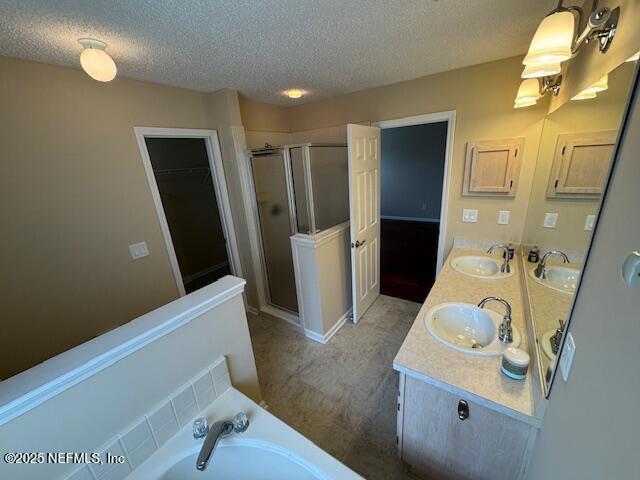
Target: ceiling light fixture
column 294, row 93
column 95, row 61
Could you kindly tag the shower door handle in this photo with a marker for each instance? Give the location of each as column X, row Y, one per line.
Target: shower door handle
column 358, row 243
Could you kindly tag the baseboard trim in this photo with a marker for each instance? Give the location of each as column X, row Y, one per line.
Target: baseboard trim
column 315, row 336
column 252, row 310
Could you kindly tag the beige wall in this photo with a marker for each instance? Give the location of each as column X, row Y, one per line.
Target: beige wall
column 225, row 117
column 482, row 96
column 75, row 195
column 590, row 429
column 264, row 123
column 88, row 415
column 602, row 113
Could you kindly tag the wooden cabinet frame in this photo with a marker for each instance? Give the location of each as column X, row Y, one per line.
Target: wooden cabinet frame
column 568, row 178
column 492, row 167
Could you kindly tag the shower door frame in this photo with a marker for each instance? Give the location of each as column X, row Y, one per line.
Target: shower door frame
column 253, row 222
column 255, row 236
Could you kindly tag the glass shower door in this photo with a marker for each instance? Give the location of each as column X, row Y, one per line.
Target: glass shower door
column 270, row 182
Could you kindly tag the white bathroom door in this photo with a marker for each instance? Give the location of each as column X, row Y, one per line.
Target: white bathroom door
column 364, row 204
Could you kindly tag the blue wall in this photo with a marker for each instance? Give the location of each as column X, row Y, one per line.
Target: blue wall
column 412, row 170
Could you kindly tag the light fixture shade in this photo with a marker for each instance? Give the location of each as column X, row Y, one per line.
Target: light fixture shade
column 524, row 103
column 600, row 86
column 553, row 40
column 96, row 62
column 585, row 95
column 529, row 91
column 633, row 58
column 541, row 70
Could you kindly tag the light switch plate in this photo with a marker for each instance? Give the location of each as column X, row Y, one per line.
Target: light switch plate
column 469, row 215
column 503, row 217
column 550, row 220
column 138, row 250
column 566, row 359
column 590, row 222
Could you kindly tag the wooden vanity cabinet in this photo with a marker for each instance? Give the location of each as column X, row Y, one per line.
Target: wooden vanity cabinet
column 436, row 443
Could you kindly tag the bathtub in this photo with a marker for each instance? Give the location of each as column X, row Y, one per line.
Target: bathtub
column 268, row 450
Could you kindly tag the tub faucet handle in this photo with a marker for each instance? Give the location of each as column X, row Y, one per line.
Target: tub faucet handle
column 240, row 422
column 200, row 428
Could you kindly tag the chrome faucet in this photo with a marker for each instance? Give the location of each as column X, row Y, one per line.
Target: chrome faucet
column 505, row 268
column 505, row 332
column 541, row 269
column 213, row 435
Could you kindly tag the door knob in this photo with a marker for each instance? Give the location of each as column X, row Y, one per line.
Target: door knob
column 359, row 243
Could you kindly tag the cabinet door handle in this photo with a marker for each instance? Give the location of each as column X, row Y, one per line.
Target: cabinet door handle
column 463, row 410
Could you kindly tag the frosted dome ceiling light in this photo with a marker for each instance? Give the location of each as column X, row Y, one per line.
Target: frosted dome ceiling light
column 95, row 61
column 294, row 93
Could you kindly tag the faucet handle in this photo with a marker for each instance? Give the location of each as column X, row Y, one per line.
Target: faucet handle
column 240, row 422
column 200, row 428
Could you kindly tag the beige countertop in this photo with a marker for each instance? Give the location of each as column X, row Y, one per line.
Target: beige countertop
column 479, row 378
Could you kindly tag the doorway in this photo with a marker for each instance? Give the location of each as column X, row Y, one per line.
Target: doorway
column 185, row 174
column 415, row 156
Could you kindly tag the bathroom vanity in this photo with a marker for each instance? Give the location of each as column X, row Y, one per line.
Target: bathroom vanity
column 458, row 415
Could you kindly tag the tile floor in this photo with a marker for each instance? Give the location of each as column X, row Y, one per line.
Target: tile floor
column 341, row 395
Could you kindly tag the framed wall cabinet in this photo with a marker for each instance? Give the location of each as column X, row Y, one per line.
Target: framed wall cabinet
column 492, row 167
column 580, row 164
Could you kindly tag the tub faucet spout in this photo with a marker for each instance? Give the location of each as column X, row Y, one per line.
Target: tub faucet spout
column 213, row 435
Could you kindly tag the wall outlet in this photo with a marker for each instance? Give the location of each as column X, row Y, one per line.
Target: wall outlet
column 590, row 222
column 566, row 358
column 503, row 217
column 550, row 220
column 469, row 215
column 138, row 250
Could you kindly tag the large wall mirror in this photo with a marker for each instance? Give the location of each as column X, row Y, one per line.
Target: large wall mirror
column 575, row 153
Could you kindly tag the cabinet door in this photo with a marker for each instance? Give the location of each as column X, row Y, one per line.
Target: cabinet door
column 492, row 167
column 437, row 444
column 581, row 163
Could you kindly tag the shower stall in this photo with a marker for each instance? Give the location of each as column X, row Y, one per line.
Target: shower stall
column 297, row 189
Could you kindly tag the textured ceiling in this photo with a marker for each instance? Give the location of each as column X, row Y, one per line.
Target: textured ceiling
column 261, row 47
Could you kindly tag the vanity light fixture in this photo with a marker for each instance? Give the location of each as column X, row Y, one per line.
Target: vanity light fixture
column 530, row 90
column 555, row 40
column 528, row 93
column 633, row 58
column 592, row 90
column 584, row 95
column 294, row 93
column 95, row 61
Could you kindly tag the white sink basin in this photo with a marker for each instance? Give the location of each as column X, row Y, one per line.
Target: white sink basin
column 468, row 328
column 561, row 279
column 479, row 267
